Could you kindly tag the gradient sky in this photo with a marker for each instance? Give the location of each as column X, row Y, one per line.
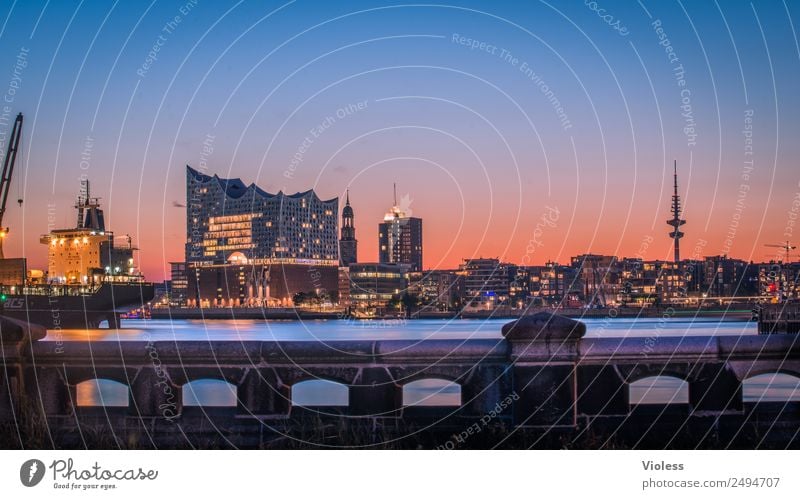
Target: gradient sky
column 472, row 139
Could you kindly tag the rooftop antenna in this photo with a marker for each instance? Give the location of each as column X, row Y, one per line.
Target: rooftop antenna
column 394, row 187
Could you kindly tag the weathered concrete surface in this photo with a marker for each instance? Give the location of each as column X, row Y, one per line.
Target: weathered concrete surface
column 14, row 331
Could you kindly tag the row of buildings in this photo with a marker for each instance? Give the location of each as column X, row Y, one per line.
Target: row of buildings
column 588, row 281
column 250, row 248
column 246, row 247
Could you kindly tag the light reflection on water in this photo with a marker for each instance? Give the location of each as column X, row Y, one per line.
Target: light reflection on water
column 330, row 330
column 778, row 387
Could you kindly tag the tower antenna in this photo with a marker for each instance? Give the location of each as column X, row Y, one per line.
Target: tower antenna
column 676, row 220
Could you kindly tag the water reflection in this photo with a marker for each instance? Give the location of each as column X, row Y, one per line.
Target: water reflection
column 209, row 393
column 432, row 392
column 330, row 330
column 771, row 388
column 659, row 390
column 427, row 392
column 102, row 393
column 320, row 392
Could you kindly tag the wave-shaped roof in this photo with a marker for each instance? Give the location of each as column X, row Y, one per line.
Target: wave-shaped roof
column 234, row 188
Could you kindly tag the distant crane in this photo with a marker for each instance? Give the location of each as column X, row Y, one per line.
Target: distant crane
column 8, row 170
column 128, row 240
column 786, row 247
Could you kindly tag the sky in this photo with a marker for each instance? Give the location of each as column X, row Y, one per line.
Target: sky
column 529, row 131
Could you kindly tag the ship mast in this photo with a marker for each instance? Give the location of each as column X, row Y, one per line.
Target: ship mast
column 8, row 170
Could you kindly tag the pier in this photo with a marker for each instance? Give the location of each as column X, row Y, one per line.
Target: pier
column 542, row 385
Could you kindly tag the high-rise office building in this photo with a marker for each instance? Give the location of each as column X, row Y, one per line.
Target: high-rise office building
column 400, row 238
column 348, row 244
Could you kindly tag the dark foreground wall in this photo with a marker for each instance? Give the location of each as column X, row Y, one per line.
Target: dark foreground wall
column 543, row 385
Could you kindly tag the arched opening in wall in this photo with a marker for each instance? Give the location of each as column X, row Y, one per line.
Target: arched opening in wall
column 772, row 387
column 659, row 390
column 320, row 393
column 102, row 393
column 209, row 393
column 432, row 392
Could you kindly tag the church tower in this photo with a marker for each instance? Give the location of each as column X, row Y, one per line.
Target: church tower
column 348, row 244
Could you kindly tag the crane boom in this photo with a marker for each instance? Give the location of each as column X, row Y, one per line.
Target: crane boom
column 8, row 170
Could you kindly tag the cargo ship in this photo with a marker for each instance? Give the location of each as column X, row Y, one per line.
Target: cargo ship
column 90, row 279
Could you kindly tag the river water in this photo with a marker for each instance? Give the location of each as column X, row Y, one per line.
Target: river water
column 417, row 329
column 769, row 387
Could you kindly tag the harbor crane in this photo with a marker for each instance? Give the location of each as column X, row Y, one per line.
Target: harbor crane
column 5, row 180
column 786, row 247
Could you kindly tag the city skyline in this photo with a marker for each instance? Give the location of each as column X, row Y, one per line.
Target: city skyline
column 486, row 124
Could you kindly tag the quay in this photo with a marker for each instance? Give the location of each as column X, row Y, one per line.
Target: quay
column 260, row 313
column 779, row 318
column 543, row 385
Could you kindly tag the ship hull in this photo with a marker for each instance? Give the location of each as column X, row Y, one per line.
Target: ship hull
column 66, row 311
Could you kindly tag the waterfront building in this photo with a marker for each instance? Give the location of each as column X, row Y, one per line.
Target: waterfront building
column 728, row 277
column 670, row 282
column 374, row 285
column 223, row 216
column 400, row 238
column 486, row 282
column 438, row 290
column 241, row 282
column 248, row 247
column 518, row 286
column 161, row 294
column 348, row 244
column 600, row 276
column 693, row 272
column 553, row 284
column 179, row 284
column 344, row 287
column 778, row 281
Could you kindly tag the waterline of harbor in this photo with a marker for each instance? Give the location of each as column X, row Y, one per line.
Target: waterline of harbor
column 383, row 329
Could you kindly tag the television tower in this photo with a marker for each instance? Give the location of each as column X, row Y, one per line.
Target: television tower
column 676, row 221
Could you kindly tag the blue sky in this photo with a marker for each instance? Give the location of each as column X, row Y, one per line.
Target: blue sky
column 466, row 133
